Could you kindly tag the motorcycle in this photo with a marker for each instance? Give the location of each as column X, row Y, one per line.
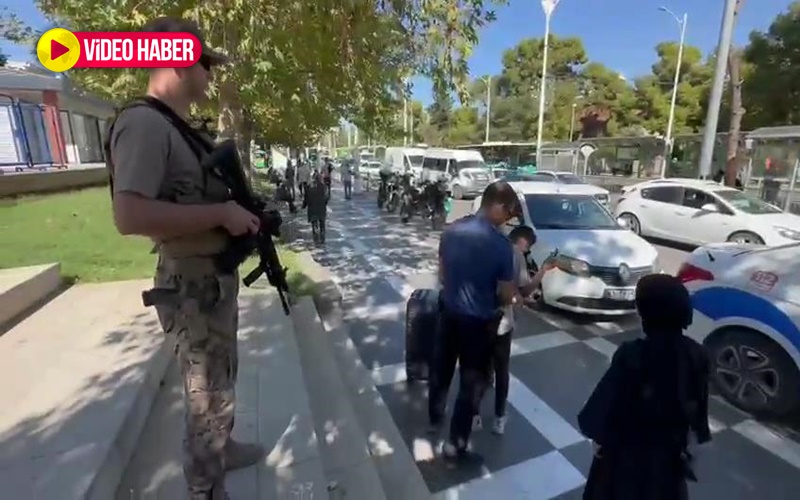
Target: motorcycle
column 392, row 194
column 383, row 189
column 410, row 198
column 436, row 195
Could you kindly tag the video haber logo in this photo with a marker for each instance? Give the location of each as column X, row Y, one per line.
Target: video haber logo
column 60, row 50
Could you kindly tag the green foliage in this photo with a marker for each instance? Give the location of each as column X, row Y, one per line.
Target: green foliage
column 300, row 66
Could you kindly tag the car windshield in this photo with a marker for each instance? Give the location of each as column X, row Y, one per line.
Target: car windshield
column 374, row 164
column 570, row 179
column 416, row 161
column 462, row 164
column 516, row 177
column 568, row 211
column 746, row 203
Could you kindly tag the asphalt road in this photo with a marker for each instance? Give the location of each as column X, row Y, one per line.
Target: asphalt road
column 557, row 360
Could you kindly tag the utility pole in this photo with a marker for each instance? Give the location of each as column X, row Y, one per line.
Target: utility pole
column 405, row 121
column 488, row 81
column 715, row 99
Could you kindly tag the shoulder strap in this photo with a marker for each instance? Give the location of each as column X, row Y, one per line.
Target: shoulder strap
column 196, row 142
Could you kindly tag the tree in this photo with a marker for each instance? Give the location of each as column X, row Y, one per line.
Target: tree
column 772, row 90
column 300, row 66
column 12, row 29
column 736, row 109
column 654, row 92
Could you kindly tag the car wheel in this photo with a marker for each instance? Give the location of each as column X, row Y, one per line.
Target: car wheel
column 632, row 222
column 753, row 372
column 745, row 237
column 458, row 193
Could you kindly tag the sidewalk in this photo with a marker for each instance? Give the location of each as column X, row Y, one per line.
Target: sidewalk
column 272, row 409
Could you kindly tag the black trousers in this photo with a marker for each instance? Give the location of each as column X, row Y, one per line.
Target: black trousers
column 468, row 341
column 348, row 189
column 501, row 358
column 318, row 230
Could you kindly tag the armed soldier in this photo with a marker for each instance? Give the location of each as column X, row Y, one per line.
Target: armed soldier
column 160, row 190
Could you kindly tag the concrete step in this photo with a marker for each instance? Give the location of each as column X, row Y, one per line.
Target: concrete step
column 272, row 408
column 85, row 369
column 22, row 288
column 399, row 474
column 344, row 444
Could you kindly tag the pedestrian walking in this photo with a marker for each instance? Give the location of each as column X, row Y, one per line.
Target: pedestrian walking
column 303, row 177
column 653, row 395
column 316, row 201
column 522, row 239
column 347, row 179
column 291, row 177
column 160, row 190
column 470, row 315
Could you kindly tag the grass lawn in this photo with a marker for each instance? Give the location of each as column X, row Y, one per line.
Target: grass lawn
column 76, row 229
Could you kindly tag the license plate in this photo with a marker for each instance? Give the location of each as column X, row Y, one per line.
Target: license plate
column 620, row 294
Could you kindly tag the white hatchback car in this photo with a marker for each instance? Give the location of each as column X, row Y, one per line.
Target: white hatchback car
column 599, row 261
column 698, row 212
column 746, row 300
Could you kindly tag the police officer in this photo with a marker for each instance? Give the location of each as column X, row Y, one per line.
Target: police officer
column 160, row 191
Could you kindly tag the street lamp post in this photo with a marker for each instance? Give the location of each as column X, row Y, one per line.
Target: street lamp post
column 671, row 121
column 488, row 81
column 572, row 121
column 548, row 6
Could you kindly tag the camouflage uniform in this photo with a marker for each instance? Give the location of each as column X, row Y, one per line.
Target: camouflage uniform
column 151, row 159
column 204, row 325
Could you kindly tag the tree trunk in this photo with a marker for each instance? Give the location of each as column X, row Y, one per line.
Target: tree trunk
column 737, row 111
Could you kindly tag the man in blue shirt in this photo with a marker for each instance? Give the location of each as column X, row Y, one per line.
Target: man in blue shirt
column 476, row 269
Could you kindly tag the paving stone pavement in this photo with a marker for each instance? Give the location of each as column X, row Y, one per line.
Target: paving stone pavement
column 557, row 360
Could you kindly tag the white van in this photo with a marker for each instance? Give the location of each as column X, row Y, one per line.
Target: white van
column 402, row 160
column 464, row 170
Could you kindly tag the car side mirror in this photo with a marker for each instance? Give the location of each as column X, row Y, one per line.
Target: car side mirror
column 709, row 207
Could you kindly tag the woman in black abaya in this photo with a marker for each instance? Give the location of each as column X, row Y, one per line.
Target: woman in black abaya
column 654, row 393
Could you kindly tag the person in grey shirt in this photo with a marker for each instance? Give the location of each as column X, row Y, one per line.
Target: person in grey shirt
column 522, row 239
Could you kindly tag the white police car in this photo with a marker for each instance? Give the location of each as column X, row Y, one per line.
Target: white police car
column 747, row 313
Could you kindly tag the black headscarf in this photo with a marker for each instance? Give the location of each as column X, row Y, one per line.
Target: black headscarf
column 664, row 305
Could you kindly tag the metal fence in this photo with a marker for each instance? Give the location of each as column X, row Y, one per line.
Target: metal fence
column 30, row 136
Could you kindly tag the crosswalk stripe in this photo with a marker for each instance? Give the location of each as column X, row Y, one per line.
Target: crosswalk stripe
column 541, row 478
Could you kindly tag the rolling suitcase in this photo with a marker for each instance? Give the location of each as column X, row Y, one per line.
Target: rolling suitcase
column 422, row 326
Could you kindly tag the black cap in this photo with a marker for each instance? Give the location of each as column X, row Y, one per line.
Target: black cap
column 178, row 25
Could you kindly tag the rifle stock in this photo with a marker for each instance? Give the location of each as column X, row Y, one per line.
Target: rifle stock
column 224, row 162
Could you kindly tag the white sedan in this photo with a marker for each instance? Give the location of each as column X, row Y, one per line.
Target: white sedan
column 699, row 212
column 599, row 262
column 746, row 302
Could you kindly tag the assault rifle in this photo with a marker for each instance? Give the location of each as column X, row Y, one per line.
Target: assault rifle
column 225, row 163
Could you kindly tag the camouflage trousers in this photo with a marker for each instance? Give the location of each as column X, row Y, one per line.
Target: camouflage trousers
column 204, row 324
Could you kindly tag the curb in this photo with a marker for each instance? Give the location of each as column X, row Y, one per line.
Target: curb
column 399, row 475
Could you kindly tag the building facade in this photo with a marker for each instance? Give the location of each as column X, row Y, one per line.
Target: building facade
column 45, row 123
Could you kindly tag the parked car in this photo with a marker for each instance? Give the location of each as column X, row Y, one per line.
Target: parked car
column 602, row 195
column 371, row 170
column 599, row 262
column 746, row 302
column 699, row 212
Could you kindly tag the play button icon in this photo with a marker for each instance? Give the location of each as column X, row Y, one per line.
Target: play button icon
column 57, row 49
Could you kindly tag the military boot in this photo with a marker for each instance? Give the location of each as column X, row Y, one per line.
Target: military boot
column 240, row 455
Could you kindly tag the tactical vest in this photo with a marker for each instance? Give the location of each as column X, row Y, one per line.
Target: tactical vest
column 213, row 189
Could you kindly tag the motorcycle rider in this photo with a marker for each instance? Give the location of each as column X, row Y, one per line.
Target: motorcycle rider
column 385, row 174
